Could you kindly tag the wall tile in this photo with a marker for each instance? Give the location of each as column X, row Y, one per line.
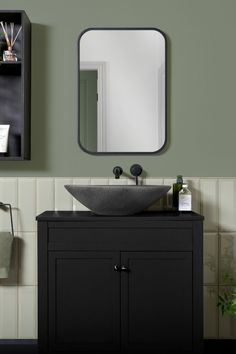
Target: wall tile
column 227, row 323
column 63, row 199
column 27, row 327
column 26, row 204
column 8, row 194
column 167, row 200
column 99, row 181
column 45, row 190
column 83, row 182
column 209, row 203
column 227, row 204
column 132, row 181
column 117, row 182
column 210, row 312
column 27, row 258
column 227, row 258
column 154, row 182
column 210, row 258
column 13, row 271
column 8, row 311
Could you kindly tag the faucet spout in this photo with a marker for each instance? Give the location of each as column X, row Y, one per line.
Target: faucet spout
column 136, row 171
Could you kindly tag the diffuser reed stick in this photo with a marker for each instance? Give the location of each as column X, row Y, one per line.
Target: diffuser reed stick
column 5, row 33
column 16, row 36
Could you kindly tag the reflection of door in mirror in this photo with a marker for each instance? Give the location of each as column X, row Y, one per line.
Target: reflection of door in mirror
column 88, row 109
column 92, row 108
column 131, row 87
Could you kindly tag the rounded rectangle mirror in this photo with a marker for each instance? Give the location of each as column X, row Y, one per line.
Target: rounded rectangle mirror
column 122, row 90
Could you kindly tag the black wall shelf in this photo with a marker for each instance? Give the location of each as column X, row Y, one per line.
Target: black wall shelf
column 15, row 88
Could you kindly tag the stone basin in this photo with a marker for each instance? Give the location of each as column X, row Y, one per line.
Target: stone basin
column 117, row 199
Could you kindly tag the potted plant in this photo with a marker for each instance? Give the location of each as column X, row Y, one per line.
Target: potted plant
column 227, row 300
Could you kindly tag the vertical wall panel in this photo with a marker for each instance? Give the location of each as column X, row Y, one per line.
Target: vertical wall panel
column 117, row 181
column 45, row 194
column 210, row 312
column 26, row 204
column 8, row 312
column 27, row 328
column 227, row 205
column 99, row 181
column 227, row 258
column 155, row 182
column 63, row 199
column 167, row 200
column 83, row 182
column 27, row 258
column 209, row 203
column 8, row 194
column 210, row 249
column 132, row 181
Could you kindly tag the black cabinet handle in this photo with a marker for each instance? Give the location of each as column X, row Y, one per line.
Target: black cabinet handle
column 117, row 268
column 124, row 269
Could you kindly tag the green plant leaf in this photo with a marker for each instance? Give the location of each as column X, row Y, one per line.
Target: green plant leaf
column 221, row 298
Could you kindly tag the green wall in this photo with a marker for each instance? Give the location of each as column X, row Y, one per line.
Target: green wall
column 201, row 85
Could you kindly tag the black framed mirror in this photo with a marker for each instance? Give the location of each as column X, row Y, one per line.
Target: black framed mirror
column 122, row 90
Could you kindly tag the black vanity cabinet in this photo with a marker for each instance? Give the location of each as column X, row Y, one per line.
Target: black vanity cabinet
column 120, row 284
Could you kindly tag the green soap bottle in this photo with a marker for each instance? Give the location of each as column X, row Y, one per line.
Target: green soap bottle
column 176, row 188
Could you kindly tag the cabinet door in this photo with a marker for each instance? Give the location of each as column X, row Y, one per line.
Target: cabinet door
column 84, row 301
column 157, row 301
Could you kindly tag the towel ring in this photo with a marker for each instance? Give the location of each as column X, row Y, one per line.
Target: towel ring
column 11, row 219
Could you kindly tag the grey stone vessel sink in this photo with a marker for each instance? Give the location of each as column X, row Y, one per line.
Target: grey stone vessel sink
column 117, row 199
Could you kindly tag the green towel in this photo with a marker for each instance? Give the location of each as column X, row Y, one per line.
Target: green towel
column 6, row 240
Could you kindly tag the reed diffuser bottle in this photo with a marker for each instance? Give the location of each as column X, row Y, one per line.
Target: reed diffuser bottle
column 9, row 54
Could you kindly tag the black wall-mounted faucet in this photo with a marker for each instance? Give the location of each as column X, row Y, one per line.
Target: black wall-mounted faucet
column 136, row 171
column 117, row 170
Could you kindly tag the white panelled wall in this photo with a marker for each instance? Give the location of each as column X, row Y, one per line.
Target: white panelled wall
column 215, row 198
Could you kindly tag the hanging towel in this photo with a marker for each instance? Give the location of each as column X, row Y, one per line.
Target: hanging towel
column 6, row 240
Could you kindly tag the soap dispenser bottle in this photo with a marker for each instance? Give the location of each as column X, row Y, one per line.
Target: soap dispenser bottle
column 176, row 188
column 185, row 199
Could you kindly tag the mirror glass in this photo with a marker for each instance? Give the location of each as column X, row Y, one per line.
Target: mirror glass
column 122, row 90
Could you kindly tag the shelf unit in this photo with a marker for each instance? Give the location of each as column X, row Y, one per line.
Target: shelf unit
column 15, row 80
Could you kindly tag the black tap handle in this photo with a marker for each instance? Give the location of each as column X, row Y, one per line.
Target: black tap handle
column 124, row 269
column 117, row 268
column 136, row 170
column 117, row 170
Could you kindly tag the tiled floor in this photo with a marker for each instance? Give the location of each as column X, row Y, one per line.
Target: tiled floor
column 210, row 347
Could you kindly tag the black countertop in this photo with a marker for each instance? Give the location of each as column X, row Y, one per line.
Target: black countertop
column 89, row 216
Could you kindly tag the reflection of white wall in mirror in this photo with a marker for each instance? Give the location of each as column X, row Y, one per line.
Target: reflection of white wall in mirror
column 161, row 105
column 135, row 86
